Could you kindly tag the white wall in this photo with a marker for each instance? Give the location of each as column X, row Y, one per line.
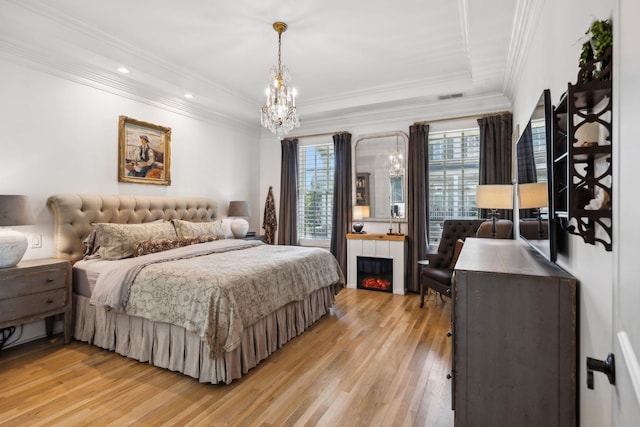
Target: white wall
column 551, row 62
column 60, row 136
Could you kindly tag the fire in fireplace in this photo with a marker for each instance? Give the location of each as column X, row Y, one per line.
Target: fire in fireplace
column 375, row 273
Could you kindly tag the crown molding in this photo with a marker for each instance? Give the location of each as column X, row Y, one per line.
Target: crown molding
column 525, row 23
column 409, row 112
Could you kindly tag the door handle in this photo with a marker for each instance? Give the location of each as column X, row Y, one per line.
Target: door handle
column 607, row 367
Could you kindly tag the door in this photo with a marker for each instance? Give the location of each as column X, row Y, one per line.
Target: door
column 626, row 298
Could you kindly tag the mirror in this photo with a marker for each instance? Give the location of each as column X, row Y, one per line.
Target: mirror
column 380, row 178
column 534, row 190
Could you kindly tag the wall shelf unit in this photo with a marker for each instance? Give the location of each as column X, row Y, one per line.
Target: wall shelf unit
column 362, row 189
column 582, row 166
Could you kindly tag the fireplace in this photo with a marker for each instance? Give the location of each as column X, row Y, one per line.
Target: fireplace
column 375, row 274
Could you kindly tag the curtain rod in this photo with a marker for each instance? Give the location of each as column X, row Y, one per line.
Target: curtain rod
column 316, row 134
column 470, row 116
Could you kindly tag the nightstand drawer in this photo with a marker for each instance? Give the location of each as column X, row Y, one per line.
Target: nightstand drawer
column 32, row 283
column 30, row 305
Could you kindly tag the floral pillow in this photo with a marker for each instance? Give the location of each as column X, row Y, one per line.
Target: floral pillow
column 151, row 246
column 191, row 229
column 117, row 240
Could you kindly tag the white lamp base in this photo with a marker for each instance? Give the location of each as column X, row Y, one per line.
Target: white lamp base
column 13, row 245
column 239, row 228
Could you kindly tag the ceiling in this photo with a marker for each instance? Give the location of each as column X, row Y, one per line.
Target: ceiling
column 342, row 55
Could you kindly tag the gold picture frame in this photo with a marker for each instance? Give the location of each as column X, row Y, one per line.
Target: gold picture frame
column 144, row 152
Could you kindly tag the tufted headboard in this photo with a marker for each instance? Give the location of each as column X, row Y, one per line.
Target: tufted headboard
column 74, row 213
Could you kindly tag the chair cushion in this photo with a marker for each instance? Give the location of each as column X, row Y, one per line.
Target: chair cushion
column 441, row 275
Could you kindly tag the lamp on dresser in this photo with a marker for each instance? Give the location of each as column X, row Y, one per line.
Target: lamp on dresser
column 14, row 211
column 534, row 196
column 239, row 210
column 494, row 197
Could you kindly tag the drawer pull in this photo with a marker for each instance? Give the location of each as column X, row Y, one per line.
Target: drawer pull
column 49, row 301
column 50, row 279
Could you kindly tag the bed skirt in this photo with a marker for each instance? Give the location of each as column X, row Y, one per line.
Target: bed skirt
column 174, row 348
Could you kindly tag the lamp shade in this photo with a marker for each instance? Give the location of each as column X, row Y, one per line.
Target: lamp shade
column 239, row 209
column 533, row 195
column 494, row 196
column 360, row 212
column 15, row 210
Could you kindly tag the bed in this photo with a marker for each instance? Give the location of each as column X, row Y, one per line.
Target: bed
column 210, row 310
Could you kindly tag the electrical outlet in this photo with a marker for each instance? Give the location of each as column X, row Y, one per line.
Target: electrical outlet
column 36, row 241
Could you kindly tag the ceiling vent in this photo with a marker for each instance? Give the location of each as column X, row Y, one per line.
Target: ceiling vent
column 450, row 96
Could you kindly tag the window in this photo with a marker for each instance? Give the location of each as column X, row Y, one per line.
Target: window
column 315, row 191
column 454, row 159
column 539, row 140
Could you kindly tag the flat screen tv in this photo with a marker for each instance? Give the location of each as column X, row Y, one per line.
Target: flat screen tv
column 533, row 163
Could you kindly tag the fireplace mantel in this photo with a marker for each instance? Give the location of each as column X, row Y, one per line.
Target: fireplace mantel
column 391, row 246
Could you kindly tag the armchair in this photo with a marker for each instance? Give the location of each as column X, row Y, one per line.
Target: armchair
column 438, row 273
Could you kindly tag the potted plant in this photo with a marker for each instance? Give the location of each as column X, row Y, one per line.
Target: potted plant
column 595, row 57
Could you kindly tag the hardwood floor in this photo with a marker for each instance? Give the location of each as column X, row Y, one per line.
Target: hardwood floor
column 376, row 360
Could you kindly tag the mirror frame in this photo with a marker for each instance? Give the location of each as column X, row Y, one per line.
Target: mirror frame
column 404, row 142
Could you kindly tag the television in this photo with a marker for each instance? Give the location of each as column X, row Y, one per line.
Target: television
column 535, row 190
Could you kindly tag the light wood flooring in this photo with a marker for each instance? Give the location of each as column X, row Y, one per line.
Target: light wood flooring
column 376, row 360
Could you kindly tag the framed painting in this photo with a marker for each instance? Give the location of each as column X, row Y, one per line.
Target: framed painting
column 144, row 152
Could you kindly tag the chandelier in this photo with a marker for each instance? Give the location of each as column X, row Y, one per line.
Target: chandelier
column 279, row 114
column 395, row 162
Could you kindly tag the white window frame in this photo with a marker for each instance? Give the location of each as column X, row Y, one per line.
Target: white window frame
column 314, row 142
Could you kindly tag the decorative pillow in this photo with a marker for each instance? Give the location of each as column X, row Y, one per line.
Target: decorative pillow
column 91, row 244
column 191, row 229
column 151, row 246
column 116, row 240
column 456, row 253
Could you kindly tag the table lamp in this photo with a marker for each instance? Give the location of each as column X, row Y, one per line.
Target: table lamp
column 14, row 211
column 359, row 213
column 239, row 210
column 494, row 197
column 534, row 196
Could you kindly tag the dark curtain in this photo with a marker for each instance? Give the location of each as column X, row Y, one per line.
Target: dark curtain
column 496, row 154
column 417, row 202
column 341, row 198
column 288, row 217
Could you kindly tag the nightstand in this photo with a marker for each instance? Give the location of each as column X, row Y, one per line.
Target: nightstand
column 255, row 237
column 36, row 289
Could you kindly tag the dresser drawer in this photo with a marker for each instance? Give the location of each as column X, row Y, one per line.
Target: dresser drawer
column 32, row 305
column 12, row 286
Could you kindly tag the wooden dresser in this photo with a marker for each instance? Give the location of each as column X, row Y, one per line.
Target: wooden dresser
column 34, row 290
column 514, row 337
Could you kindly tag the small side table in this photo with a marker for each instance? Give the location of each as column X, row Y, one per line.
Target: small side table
column 255, row 237
column 36, row 289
